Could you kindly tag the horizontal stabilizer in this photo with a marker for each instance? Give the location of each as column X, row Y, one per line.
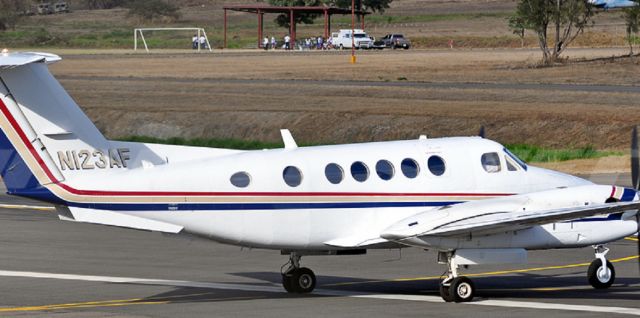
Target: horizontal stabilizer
column 13, row 60
column 111, row 218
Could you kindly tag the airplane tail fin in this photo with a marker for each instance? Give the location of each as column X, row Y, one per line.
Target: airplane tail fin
column 43, row 129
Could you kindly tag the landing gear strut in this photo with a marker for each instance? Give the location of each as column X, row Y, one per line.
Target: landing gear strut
column 455, row 288
column 296, row 279
column 601, row 273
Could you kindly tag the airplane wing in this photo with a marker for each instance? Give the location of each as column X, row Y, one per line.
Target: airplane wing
column 493, row 222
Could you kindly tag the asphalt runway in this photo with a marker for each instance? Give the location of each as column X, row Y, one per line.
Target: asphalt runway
column 51, row 268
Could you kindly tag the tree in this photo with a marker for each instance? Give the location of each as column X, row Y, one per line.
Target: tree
column 150, row 10
column 283, row 19
column 369, row 5
column 516, row 24
column 632, row 20
column 568, row 17
column 10, row 13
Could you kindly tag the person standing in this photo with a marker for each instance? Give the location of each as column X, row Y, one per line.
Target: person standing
column 274, row 44
column 287, row 42
column 265, row 43
column 194, row 42
column 203, row 42
column 320, row 40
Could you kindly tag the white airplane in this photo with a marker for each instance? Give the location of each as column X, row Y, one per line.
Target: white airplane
column 467, row 197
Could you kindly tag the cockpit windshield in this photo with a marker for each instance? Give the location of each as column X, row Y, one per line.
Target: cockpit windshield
column 516, row 159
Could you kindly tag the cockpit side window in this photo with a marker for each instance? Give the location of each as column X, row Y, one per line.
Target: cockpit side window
column 516, row 159
column 491, row 162
column 511, row 166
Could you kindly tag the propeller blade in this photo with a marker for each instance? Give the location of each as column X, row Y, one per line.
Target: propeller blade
column 481, row 132
column 638, row 237
column 635, row 158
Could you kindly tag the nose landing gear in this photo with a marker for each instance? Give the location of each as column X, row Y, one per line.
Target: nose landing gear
column 601, row 273
column 296, row 279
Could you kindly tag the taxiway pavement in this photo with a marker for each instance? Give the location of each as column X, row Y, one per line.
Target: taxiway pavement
column 50, row 268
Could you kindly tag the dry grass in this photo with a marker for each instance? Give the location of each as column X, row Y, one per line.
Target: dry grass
column 251, row 95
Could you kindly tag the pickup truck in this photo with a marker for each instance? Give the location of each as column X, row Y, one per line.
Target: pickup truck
column 393, row 41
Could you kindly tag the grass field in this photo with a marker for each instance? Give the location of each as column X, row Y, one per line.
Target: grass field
column 430, row 24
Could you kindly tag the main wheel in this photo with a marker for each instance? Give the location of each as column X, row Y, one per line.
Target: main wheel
column 444, row 293
column 303, row 280
column 601, row 277
column 461, row 289
column 286, row 283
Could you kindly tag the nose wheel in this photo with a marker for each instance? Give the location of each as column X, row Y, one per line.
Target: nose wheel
column 601, row 273
column 296, row 279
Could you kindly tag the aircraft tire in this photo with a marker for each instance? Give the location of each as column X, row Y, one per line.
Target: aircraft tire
column 286, row 283
column 461, row 289
column 597, row 278
column 444, row 293
column 303, row 280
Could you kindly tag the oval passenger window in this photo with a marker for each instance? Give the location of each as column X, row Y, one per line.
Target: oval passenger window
column 334, row 173
column 240, row 179
column 436, row 165
column 292, row 176
column 359, row 171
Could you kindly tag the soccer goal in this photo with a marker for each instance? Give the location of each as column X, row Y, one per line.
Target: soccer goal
column 198, row 31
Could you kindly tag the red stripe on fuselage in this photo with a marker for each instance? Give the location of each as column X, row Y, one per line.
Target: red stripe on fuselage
column 70, row 189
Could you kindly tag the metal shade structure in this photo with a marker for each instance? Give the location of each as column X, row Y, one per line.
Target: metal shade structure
column 261, row 10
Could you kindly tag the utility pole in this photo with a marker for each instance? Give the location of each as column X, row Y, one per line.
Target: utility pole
column 353, row 31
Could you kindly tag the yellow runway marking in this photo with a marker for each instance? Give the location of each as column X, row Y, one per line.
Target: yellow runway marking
column 89, row 304
column 117, row 303
column 504, row 272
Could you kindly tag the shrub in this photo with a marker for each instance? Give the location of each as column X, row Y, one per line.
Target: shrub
column 150, row 10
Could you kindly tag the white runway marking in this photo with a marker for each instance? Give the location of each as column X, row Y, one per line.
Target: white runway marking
column 27, row 207
column 324, row 292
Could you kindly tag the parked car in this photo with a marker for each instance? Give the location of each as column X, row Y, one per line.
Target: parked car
column 43, row 8
column 342, row 39
column 393, row 41
column 61, row 7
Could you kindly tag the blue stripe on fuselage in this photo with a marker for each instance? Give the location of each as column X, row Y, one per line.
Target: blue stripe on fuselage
column 252, row 206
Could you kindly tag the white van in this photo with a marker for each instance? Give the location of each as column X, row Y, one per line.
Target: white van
column 342, row 39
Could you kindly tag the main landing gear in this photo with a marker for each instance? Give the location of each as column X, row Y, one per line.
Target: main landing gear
column 296, row 279
column 455, row 288
column 601, row 273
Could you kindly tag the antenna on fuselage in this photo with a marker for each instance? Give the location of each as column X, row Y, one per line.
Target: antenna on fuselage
column 287, row 139
column 481, row 132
